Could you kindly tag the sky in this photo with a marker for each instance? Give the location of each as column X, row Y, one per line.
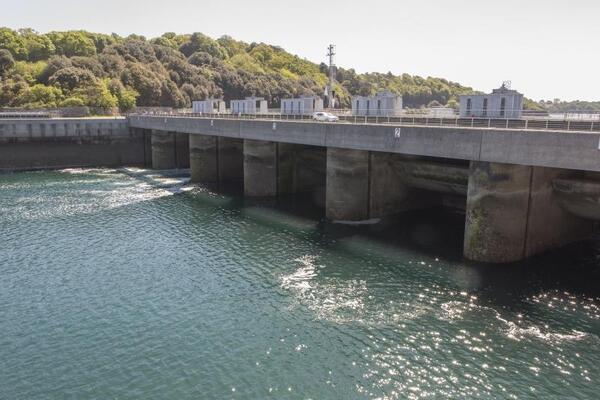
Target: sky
column 547, row 48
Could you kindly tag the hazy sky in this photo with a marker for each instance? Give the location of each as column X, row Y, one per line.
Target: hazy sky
column 548, row 48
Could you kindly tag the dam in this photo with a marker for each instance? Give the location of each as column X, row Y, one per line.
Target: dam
column 524, row 190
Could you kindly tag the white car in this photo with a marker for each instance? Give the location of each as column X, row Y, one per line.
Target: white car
column 325, row 117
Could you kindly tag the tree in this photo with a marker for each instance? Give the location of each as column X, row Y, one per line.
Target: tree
column 126, row 98
column 72, row 102
column 55, row 64
column 201, row 42
column 89, row 63
column 12, row 42
column 72, row 43
column 113, row 64
column 144, row 82
column 39, row 47
column 200, row 58
column 453, row 103
column 7, row 62
column 97, row 95
column 40, row 96
column 171, row 96
column 71, row 78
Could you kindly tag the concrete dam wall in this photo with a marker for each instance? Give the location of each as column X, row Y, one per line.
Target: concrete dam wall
column 522, row 193
column 28, row 144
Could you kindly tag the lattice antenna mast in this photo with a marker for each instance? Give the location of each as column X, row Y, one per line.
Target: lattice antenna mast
column 329, row 91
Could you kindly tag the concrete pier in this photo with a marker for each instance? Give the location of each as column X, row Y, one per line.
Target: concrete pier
column 204, row 159
column 164, row 154
column 512, row 213
column 347, row 193
column 260, row 168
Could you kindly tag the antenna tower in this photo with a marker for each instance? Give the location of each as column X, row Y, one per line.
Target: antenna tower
column 329, row 92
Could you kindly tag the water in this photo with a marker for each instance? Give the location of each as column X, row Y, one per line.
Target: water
column 133, row 286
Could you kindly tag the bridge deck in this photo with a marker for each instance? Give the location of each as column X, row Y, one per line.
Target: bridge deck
column 578, row 150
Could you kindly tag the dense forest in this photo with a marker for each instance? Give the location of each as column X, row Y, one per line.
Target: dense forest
column 558, row 106
column 79, row 68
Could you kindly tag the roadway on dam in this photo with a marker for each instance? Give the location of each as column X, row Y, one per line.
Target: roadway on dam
column 575, row 150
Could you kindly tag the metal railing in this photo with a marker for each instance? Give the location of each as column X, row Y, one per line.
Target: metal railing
column 486, row 123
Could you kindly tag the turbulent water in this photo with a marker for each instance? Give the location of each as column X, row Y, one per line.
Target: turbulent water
column 126, row 285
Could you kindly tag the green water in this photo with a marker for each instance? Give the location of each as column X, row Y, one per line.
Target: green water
column 116, row 286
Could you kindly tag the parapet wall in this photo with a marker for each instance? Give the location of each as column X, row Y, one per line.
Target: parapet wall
column 63, row 127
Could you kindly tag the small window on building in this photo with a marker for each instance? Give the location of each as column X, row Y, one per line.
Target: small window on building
column 485, row 107
column 469, row 106
column 357, row 106
column 503, row 107
column 368, row 105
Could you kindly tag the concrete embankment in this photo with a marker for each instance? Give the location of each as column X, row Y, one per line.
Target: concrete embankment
column 28, row 144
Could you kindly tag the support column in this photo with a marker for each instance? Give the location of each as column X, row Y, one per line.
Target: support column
column 260, row 168
column 512, row 213
column 347, row 192
column 231, row 159
column 204, row 159
column 163, row 150
column 182, row 150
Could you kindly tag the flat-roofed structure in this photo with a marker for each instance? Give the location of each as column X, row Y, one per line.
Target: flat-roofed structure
column 301, row 106
column 209, row 106
column 250, row 105
column 383, row 104
column 501, row 103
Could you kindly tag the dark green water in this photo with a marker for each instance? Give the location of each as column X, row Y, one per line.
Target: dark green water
column 117, row 287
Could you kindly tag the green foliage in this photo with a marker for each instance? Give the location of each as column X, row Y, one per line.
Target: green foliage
column 171, row 40
column 559, row 106
column 97, row 95
column 39, row 96
column 11, row 91
column 72, row 102
column 73, row 43
column 453, row 103
column 11, row 41
column 126, row 98
column 71, row 78
column 30, row 72
column 7, row 62
column 246, row 62
column 97, row 70
column 145, row 82
column 39, row 47
column 201, row 42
